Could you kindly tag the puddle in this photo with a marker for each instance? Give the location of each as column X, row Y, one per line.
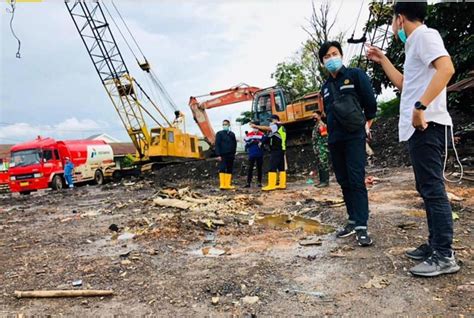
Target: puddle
column 296, row 222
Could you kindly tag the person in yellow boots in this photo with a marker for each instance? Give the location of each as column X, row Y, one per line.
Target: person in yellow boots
column 277, row 139
column 225, row 148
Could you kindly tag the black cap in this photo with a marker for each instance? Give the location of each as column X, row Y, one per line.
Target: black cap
column 275, row 117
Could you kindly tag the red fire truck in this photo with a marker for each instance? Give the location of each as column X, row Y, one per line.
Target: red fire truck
column 39, row 164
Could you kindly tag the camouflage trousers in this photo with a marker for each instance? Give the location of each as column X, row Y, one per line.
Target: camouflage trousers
column 320, row 148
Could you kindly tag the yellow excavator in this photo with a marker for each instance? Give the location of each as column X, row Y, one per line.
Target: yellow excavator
column 167, row 141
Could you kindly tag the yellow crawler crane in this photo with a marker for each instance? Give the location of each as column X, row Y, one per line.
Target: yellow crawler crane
column 166, row 142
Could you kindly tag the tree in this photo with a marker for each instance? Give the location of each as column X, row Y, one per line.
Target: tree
column 294, row 78
column 304, row 73
column 320, row 30
column 245, row 118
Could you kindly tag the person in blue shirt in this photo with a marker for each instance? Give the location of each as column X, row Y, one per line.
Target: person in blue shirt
column 69, row 172
column 253, row 145
column 347, row 146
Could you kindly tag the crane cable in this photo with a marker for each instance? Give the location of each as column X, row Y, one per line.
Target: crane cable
column 120, row 31
column 126, row 26
column 12, row 11
column 152, row 74
column 357, row 21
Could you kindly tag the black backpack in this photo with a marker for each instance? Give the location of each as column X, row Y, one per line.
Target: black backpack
column 347, row 110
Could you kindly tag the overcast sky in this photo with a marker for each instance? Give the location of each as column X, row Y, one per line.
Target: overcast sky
column 194, row 47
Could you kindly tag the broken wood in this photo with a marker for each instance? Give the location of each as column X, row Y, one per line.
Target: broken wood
column 62, row 293
column 173, row 203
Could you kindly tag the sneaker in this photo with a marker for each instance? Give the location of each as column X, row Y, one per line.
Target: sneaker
column 348, row 230
column 260, row 185
column 420, row 253
column 247, row 185
column 363, row 238
column 436, row 265
column 322, row 185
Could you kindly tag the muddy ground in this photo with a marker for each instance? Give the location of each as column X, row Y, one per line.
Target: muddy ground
column 215, row 256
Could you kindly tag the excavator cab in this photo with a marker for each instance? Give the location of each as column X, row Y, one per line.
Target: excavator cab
column 270, row 101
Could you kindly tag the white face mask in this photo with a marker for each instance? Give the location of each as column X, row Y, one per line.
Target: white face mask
column 255, row 130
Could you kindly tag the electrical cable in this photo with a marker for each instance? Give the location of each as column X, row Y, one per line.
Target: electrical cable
column 12, row 11
column 455, row 153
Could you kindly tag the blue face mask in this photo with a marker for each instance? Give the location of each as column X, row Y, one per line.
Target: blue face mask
column 226, row 128
column 402, row 35
column 333, row 64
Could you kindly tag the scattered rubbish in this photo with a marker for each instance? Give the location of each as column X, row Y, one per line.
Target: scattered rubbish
column 125, row 255
column 369, row 180
column 250, row 300
column 415, row 213
column 310, row 293
column 212, row 251
column 77, row 283
column 215, row 300
column 466, row 288
column 113, row 227
column 455, row 216
column 337, row 252
column 173, row 203
column 308, row 241
column 295, row 223
column 63, row 293
column 407, row 225
column 309, row 181
column 377, row 282
column 453, row 197
column 333, row 203
column 74, row 211
column 126, row 236
column 126, row 262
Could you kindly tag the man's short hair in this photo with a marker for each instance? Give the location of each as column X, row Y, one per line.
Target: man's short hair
column 324, row 48
column 226, row 121
column 318, row 112
column 413, row 11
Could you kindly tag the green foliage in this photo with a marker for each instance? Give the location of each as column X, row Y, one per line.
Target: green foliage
column 390, row 108
column 128, row 161
column 245, row 118
column 294, row 78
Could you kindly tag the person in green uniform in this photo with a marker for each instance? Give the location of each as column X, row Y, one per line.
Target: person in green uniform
column 320, row 148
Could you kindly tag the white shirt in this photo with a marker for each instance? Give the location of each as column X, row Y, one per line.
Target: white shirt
column 423, row 46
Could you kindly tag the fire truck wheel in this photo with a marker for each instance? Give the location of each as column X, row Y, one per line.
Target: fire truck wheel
column 57, row 183
column 25, row 192
column 98, row 177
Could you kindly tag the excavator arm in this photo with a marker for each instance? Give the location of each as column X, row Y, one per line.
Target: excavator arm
column 233, row 95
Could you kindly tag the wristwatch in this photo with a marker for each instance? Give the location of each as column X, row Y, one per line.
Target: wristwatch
column 420, row 106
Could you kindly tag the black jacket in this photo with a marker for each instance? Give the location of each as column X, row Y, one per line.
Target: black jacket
column 348, row 81
column 226, row 144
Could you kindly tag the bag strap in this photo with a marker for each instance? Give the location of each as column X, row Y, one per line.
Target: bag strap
column 333, row 89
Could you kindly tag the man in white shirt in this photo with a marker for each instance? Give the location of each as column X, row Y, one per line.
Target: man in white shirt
column 423, row 120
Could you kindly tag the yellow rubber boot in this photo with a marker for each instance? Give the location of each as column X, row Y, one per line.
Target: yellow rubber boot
column 229, row 181
column 222, row 181
column 282, row 181
column 272, row 179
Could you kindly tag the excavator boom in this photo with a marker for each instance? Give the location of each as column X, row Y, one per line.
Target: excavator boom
column 233, row 95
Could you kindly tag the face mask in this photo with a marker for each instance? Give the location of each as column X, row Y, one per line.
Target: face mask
column 333, row 64
column 402, row 35
column 226, row 128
